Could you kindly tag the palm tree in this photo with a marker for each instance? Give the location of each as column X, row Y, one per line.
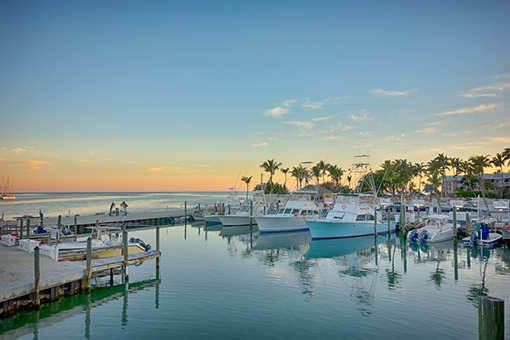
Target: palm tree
column 478, row 163
column 300, row 173
column 506, row 153
column 336, row 174
column 285, row 170
column 389, row 175
column 271, row 166
column 420, row 171
column 323, row 168
column 499, row 161
column 316, row 171
column 443, row 163
column 246, row 180
column 457, row 167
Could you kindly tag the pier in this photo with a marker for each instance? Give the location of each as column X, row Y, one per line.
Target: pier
column 23, row 287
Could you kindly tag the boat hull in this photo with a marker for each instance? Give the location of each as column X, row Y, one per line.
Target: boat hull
column 237, row 220
column 324, row 230
column 281, row 224
column 212, row 219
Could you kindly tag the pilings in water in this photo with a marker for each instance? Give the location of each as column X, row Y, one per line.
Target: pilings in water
column 37, row 277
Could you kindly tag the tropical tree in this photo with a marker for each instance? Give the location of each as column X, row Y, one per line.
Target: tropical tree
column 336, row 174
column 389, row 175
column 506, row 153
column 499, row 161
column 323, row 168
column 419, row 169
column 478, row 164
column 300, row 173
column 443, row 164
column 316, row 172
column 285, row 171
column 271, row 166
column 246, row 180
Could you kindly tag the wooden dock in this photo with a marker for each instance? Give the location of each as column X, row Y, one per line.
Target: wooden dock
column 60, row 278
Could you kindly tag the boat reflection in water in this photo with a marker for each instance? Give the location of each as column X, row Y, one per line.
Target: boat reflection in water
column 283, row 240
column 238, row 230
column 343, row 247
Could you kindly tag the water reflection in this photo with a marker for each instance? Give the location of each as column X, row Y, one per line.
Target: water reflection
column 30, row 322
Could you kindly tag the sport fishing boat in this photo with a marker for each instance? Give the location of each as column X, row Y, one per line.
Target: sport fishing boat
column 437, row 229
column 249, row 210
column 352, row 216
column 290, row 218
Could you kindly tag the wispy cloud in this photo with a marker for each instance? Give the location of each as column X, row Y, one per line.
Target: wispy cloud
column 86, row 161
column 358, row 115
column 333, row 138
column 318, row 119
column 289, row 103
column 17, row 151
column 202, row 165
column 164, row 168
column 332, row 128
column 479, row 108
column 259, row 145
column 498, row 140
column 277, row 112
column 481, row 91
column 306, row 125
column 348, row 127
column 384, row 93
column 37, row 165
column 319, row 104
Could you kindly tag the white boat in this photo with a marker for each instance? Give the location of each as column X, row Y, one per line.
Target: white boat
column 104, row 244
column 351, row 216
column 437, row 229
column 290, row 218
column 249, row 210
column 482, row 238
column 232, row 205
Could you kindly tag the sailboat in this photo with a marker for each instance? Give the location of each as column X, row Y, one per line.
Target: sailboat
column 6, row 190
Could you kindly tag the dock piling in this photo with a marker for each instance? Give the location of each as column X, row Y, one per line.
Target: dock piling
column 27, row 236
column 157, row 248
column 37, row 272
column 21, row 228
column 75, row 228
column 126, row 262
column 491, row 318
column 88, row 259
column 185, row 213
column 389, row 220
column 375, row 221
column 454, row 224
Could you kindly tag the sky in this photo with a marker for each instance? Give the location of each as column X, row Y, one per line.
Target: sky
column 126, row 95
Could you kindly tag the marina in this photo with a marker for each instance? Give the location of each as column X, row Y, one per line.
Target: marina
column 266, row 285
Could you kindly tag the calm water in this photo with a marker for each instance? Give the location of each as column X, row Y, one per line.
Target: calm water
column 229, row 284
column 54, row 204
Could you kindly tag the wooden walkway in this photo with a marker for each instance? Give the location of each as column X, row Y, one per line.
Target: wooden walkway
column 118, row 261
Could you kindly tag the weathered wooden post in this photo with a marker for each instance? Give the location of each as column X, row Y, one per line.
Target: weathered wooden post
column 375, row 222
column 251, row 213
column 185, row 214
column 126, row 260
column 158, row 249
column 27, row 236
column 59, row 225
column 491, row 318
column 21, row 234
column 75, row 228
column 37, row 272
column 468, row 224
column 454, row 225
column 88, row 259
column 42, row 220
column 199, row 211
column 455, row 261
column 389, row 220
column 223, row 208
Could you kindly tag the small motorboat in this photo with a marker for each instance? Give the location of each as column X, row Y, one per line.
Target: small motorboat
column 482, row 238
column 437, row 229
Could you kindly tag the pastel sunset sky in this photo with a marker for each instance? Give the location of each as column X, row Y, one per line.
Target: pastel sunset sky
column 190, row 95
